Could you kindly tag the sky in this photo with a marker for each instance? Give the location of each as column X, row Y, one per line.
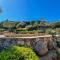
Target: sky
column 19, row 10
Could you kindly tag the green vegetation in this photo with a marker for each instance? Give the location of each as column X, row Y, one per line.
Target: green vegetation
column 27, row 26
column 8, row 25
column 18, row 53
column 58, row 42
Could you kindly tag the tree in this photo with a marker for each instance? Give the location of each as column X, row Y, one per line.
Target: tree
column 57, row 24
column 21, row 25
column 42, row 22
column 8, row 24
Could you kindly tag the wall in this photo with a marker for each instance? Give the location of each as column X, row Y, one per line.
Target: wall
column 4, row 42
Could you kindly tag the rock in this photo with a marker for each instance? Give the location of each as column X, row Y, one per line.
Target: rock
column 51, row 55
column 40, row 48
column 52, row 45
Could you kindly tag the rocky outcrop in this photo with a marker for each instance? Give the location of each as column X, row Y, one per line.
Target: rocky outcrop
column 45, row 49
column 40, row 48
column 52, row 44
column 51, row 55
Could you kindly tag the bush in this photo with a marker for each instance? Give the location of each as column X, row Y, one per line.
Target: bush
column 52, row 32
column 18, row 53
column 22, row 29
column 41, row 31
column 58, row 42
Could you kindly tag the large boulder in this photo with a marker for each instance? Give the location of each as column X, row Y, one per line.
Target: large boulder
column 40, row 48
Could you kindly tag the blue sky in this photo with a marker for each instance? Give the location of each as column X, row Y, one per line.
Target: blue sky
column 30, row 9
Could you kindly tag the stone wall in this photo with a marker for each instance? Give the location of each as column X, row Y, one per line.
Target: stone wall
column 4, row 42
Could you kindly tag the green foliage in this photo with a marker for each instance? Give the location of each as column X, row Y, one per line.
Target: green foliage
column 22, row 29
column 9, row 25
column 58, row 54
column 29, row 25
column 52, row 32
column 57, row 24
column 21, row 25
column 18, row 53
column 41, row 31
column 58, row 42
column 1, row 30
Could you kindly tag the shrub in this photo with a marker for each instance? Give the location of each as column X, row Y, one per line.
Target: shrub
column 22, row 29
column 58, row 42
column 18, row 53
column 52, row 32
column 41, row 31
